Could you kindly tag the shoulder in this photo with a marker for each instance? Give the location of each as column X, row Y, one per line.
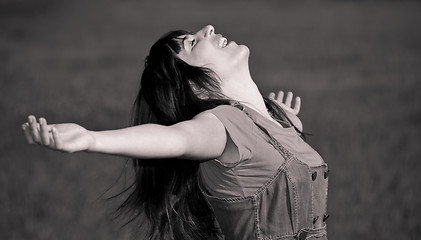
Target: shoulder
column 238, row 128
column 202, row 137
column 225, row 114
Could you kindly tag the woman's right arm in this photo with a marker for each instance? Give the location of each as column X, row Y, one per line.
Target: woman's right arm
column 203, row 137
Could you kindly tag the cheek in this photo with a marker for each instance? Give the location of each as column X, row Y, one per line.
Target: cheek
column 198, row 59
column 218, row 59
column 208, row 57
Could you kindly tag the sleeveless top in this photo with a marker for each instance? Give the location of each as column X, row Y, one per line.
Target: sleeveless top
column 268, row 183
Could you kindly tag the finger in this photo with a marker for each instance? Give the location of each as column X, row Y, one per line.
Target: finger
column 280, row 97
column 297, row 105
column 271, row 95
column 57, row 140
column 288, row 99
column 33, row 129
column 28, row 136
column 44, row 132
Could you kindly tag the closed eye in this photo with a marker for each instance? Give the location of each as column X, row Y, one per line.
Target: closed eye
column 187, row 39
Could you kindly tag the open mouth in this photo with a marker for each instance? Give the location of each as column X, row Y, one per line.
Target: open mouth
column 222, row 42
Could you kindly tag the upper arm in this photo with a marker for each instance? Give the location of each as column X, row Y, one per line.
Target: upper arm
column 203, row 137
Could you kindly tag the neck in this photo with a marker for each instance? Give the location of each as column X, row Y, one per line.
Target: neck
column 241, row 87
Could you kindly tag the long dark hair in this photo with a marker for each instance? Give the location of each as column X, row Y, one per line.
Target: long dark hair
column 165, row 197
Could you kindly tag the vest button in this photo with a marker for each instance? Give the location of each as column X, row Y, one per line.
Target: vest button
column 326, row 174
column 314, row 176
column 303, row 235
column 315, row 219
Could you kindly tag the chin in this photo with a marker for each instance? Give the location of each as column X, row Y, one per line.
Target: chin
column 245, row 51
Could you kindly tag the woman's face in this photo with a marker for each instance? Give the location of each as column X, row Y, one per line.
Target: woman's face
column 207, row 49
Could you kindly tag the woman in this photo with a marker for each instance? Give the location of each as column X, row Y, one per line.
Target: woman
column 213, row 158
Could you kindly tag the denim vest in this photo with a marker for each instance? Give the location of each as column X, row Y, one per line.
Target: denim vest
column 290, row 205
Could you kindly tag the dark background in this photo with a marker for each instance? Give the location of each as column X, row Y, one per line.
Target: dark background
column 356, row 65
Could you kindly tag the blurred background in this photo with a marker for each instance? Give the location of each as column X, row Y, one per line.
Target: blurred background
column 355, row 64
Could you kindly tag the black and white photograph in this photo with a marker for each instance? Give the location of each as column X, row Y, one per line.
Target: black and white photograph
column 201, row 120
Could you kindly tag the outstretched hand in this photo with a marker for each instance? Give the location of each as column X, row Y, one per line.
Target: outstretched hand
column 68, row 137
column 291, row 110
column 288, row 101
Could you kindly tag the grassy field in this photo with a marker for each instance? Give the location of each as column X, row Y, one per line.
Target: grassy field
column 356, row 65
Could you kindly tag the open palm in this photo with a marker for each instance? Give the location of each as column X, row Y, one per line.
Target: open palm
column 66, row 137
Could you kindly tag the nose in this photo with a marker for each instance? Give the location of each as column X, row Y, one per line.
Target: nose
column 207, row 31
